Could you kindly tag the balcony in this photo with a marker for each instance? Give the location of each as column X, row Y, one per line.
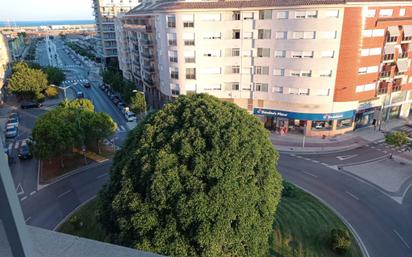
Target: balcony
column 146, row 41
column 384, row 75
column 148, row 68
column 148, row 80
column 190, row 59
column 403, row 55
column 147, row 55
column 172, row 42
column 388, row 57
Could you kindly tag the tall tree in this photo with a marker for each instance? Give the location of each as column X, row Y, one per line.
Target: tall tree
column 138, row 103
column 27, row 82
column 197, row 178
column 55, row 75
column 78, row 103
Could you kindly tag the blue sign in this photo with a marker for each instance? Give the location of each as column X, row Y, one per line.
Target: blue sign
column 304, row 116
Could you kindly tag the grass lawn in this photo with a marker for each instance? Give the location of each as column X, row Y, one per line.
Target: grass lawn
column 301, row 228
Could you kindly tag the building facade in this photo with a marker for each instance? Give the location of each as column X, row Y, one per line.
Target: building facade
column 302, row 67
column 105, row 12
column 5, row 64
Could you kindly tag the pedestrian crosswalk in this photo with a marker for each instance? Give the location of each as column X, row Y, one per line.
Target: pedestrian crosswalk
column 68, row 82
column 70, row 66
column 121, row 128
column 16, row 144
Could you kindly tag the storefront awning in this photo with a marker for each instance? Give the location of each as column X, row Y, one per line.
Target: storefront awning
column 389, row 49
column 407, row 30
column 403, row 65
column 393, row 31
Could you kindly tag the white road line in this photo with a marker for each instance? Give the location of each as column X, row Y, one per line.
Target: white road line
column 102, row 176
column 292, row 154
column 384, row 151
column 401, row 238
column 32, row 193
column 28, row 218
column 298, row 156
column 372, row 147
column 63, row 194
column 325, row 164
column 315, row 161
column 23, row 198
column 307, row 159
column 352, row 195
column 310, row 174
column 10, row 147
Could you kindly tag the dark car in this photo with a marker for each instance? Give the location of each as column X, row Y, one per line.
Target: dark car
column 24, row 152
column 29, row 105
column 80, row 95
column 87, row 85
column 116, row 100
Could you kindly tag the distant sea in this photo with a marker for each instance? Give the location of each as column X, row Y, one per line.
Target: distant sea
column 44, row 23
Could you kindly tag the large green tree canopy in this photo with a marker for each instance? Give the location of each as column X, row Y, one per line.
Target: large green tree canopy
column 26, row 81
column 197, row 178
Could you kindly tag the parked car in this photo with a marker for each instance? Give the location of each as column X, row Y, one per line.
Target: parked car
column 11, row 131
column 79, row 95
column 120, row 105
column 29, row 105
column 24, row 152
column 115, row 100
column 102, row 87
column 13, row 115
column 13, row 121
column 130, row 116
column 87, row 85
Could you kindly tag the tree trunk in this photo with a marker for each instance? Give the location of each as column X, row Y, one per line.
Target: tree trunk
column 98, row 146
column 61, row 162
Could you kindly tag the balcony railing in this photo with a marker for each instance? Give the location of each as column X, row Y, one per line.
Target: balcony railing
column 148, row 68
column 388, row 57
column 189, row 42
column 384, row 74
column 147, row 55
column 172, row 42
column 403, row 55
column 190, row 59
column 146, row 41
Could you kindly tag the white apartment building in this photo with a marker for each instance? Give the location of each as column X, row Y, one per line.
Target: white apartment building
column 277, row 59
column 105, row 11
column 5, row 62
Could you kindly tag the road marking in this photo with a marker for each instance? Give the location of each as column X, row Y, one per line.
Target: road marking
column 372, row 147
column 19, row 189
column 315, row 161
column 325, row 164
column 298, row 156
column 102, row 176
column 63, row 194
column 32, row 193
column 401, row 238
column 346, row 157
column 293, row 155
column 307, row 159
column 352, row 195
column 23, row 198
column 28, row 218
column 310, row 174
column 384, row 151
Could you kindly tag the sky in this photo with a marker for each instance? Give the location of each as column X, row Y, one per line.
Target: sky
column 27, row 10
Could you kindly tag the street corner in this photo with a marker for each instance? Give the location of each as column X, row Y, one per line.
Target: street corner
column 391, row 177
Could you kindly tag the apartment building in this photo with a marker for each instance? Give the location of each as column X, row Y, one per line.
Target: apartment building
column 316, row 67
column 105, row 12
column 5, row 62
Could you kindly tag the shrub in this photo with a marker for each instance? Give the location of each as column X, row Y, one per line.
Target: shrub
column 397, row 138
column 51, row 92
column 340, row 240
column 289, row 190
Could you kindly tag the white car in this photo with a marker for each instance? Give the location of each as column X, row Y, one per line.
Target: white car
column 130, row 116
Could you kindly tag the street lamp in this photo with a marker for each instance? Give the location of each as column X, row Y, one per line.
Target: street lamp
column 63, row 88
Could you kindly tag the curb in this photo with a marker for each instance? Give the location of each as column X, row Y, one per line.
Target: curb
column 72, row 212
column 355, row 234
column 71, row 173
column 350, row 147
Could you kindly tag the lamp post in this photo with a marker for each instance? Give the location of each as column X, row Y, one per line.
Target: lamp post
column 64, row 90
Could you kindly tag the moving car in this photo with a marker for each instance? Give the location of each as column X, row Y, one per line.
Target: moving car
column 24, row 152
column 130, row 116
column 87, row 85
column 11, row 131
column 29, row 105
column 79, row 95
column 13, row 121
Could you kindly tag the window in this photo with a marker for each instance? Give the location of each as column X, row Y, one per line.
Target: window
column 190, row 56
column 306, row 14
column 247, row 35
column 236, row 16
column 385, row 12
column 263, row 52
column 373, row 33
column 211, row 17
column 188, row 21
column 402, row 12
column 281, row 35
column 212, row 70
column 212, row 35
column 370, row 69
column 279, row 72
column 304, row 91
column 327, row 54
column 264, row 33
column 306, row 73
column 189, row 38
column 293, row 91
column 173, row 56
column 190, row 73
column 322, row 125
column 212, row 53
column 235, row 69
column 171, row 39
column 174, row 73
column 232, row 86
column 282, row 14
column 236, row 34
column 371, row 51
column 171, row 21
column 332, row 13
column 301, row 54
column 371, row 13
column 211, row 87
column 261, row 87
column 322, row 92
column 307, row 54
column 345, row 123
column 329, row 34
column 262, row 70
column 248, row 15
column 304, row 35
column 280, row 53
column 325, row 73
column 235, row 51
column 175, row 89
column 298, row 35
column 277, row 90
column 265, row 14
column 366, row 87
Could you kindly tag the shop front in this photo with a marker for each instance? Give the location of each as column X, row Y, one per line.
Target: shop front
column 311, row 124
column 367, row 117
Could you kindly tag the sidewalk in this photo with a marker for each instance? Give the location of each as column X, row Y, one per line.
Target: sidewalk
column 294, row 143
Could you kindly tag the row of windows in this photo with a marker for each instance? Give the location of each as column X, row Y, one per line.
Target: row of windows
column 188, row 19
column 366, row 87
column 257, row 87
column 257, row 70
column 384, row 12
